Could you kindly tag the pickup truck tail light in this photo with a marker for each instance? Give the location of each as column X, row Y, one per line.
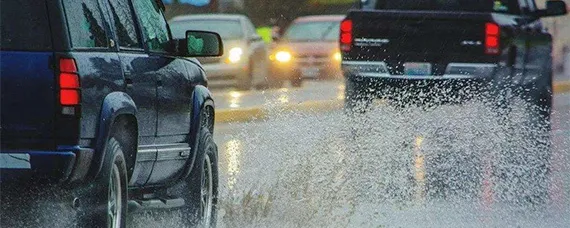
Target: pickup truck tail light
column 346, row 35
column 492, row 39
column 69, row 87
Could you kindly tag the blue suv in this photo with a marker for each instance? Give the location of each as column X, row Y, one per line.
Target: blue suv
column 99, row 100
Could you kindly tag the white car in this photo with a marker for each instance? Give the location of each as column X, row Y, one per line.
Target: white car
column 244, row 63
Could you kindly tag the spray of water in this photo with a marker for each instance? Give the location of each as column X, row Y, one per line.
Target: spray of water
column 450, row 165
column 442, row 166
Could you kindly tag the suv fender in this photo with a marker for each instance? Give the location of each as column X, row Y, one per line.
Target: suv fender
column 115, row 104
column 202, row 98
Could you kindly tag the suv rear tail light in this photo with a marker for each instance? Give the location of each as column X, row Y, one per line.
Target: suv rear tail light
column 492, row 39
column 346, row 35
column 69, row 97
column 69, row 86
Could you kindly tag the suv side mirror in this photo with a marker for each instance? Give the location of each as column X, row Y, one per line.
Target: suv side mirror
column 201, row 44
column 553, row 8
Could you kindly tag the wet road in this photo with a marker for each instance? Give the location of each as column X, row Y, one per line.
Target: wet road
column 311, row 91
column 387, row 168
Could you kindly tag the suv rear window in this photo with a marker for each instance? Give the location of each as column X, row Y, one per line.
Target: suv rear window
column 85, row 22
column 25, row 26
column 500, row 6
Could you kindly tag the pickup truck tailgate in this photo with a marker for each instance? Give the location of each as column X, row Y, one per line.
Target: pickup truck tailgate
column 405, row 36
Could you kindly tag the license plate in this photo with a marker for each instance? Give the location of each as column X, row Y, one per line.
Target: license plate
column 15, row 161
column 310, row 72
column 417, row 68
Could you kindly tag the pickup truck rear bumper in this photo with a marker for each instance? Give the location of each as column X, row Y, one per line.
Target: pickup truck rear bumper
column 461, row 82
column 460, row 71
column 458, row 77
column 64, row 165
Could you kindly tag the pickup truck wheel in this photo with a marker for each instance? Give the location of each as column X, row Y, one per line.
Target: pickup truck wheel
column 542, row 144
column 200, row 189
column 356, row 98
column 526, row 170
column 106, row 198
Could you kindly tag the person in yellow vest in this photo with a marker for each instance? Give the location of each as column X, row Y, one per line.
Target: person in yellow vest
column 265, row 33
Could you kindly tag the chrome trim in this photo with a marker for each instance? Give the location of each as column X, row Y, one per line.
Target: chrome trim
column 173, row 151
column 471, row 70
column 416, row 77
column 366, row 68
column 370, row 42
column 453, row 70
column 146, row 153
column 363, row 63
column 471, row 65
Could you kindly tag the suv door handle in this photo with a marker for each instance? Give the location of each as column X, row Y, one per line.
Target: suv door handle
column 129, row 82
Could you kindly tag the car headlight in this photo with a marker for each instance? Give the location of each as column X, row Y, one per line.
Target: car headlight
column 283, row 56
column 235, row 55
column 337, row 56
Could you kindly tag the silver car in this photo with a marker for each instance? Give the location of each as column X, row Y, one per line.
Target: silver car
column 245, row 61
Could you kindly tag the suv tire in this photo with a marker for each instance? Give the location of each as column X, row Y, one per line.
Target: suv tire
column 200, row 189
column 106, row 198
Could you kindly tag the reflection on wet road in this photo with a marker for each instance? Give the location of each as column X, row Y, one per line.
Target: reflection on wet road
column 233, row 150
column 312, row 91
column 387, row 168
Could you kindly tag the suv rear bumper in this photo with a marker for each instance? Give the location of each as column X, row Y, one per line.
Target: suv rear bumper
column 65, row 165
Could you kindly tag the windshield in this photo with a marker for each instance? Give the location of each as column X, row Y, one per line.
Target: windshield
column 228, row 29
column 313, row 31
column 509, row 6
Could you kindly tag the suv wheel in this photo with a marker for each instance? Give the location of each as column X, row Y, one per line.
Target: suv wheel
column 106, row 199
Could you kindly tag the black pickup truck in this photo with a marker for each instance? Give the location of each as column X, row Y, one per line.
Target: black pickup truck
column 428, row 52
column 398, row 49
